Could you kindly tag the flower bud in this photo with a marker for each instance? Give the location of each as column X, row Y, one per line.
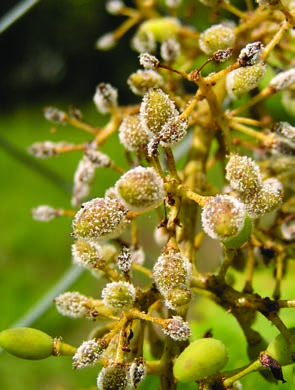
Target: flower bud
column 119, row 295
column 106, row 41
column 83, row 177
column 156, row 110
column 268, row 199
column 114, row 7
column 216, row 37
column 170, row 50
column 124, row 260
column 224, row 218
column 88, row 354
column 243, row 80
column 105, row 98
column 143, row 42
column 132, row 134
column 283, row 80
column 137, row 372
column 55, row 115
column 72, row 304
column 141, row 81
column 280, row 350
column 202, row 358
column 27, row 343
column 177, row 329
column 148, row 61
column 173, row 131
column 251, row 54
column 141, row 189
column 161, row 28
column 87, row 254
column 99, row 219
column 243, row 174
column 288, row 101
column 98, row 159
column 45, row 213
column 284, row 140
column 115, row 376
column 172, row 270
column 47, row 149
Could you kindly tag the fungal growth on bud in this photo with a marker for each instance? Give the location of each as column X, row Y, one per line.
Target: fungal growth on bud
column 106, row 41
column 45, row 213
column 115, row 376
column 143, row 80
column 99, row 219
column 47, row 149
column 83, row 178
column 137, row 372
column 217, row 37
column 148, row 61
column 284, row 141
column 225, row 218
column 141, row 189
column 173, row 131
column 55, row 115
column 27, row 343
column 202, row 358
column 72, row 304
column 161, row 29
column 243, row 174
column 124, row 260
column 177, row 329
column 170, row 50
column 132, row 134
column 88, row 354
column 156, row 110
column 172, row 272
column 105, row 98
column 251, row 54
column 119, row 295
column 283, row 80
column 243, row 80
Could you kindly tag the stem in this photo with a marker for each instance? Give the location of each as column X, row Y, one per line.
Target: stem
column 255, row 366
column 265, row 138
column 286, row 25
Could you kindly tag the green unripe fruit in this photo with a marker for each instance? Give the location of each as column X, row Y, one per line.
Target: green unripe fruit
column 280, row 350
column 160, row 28
column 202, row 358
column 217, row 37
column 27, row 343
column 243, row 236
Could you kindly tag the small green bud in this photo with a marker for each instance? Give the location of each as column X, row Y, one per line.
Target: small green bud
column 132, row 134
column 283, row 80
column 284, row 140
column 72, row 304
column 170, row 50
column 288, row 101
column 99, row 219
column 202, row 358
column 224, row 218
column 143, row 41
column 141, row 81
column 161, row 28
column 106, row 41
column 119, row 295
column 27, row 343
column 55, row 115
column 148, row 61
column 243, row 174
column 280, row 350
column 141, row 189
column 217, row 37
column 46, row 213
column 243, row 80
column 173, row 131
column 156, row 110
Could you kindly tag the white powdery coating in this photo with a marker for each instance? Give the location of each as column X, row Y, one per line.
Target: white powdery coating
column 283, row 80
column 132, row 134
column 137, row 372
column 85, row 171
column 216, row 37
column 170, row 50
column 119, row 295
column 156, row 110
column 114, row 6
column 143, row 42
column 72, row 304
column 223, row 211
column 286, row 130
column 105, row 98
column 142, row 80
column 98, row 158
column 243, row 174
column 177, row 329
column 47, row 149
column 268, row 199
column 148, row 61
column 100, row 219
column 173, row 131
column 171, row 271
column 243, row 80
column 106, row 41
column 251, row 54
column 116, row 377
column 88, row 354
column 141, row 189
column 45, row 213
column 86, row 254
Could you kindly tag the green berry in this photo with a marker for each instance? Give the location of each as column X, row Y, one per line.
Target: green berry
column 217, row 37
column 160, row 28
column 202, row 358
column 280, row 350
column 27, row 343
column 119, row 295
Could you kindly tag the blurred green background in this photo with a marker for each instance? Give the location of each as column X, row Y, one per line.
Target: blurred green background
column 48, row 58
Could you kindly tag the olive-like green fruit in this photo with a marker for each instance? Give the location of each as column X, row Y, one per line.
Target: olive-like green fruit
column 202, row 358
column 26, row 343
column 281, row 350
column 238, row 240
